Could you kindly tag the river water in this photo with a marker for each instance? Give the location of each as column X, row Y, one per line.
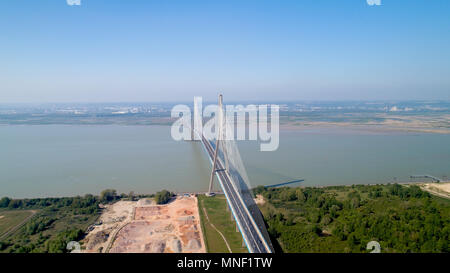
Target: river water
column 68, row 160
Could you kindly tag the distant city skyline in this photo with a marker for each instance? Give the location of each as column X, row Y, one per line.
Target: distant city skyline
column 168, row 51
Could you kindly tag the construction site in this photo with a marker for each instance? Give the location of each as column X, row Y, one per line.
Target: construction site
column 145, row 227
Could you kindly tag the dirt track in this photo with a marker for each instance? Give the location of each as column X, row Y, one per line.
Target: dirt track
column 13, row 229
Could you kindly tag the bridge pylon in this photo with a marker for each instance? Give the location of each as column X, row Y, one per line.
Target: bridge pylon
column 235, row 184
column 216, row 150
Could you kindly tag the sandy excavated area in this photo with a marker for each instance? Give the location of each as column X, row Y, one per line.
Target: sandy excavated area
column 171, row 228
column 143, row 227
column 441, row 189
column 112, row 219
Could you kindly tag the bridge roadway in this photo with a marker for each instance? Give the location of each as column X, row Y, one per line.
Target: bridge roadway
column 250, row 231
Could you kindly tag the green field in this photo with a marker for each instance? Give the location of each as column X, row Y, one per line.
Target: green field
column 220, row 217
column 12, row 218
column 57, row 222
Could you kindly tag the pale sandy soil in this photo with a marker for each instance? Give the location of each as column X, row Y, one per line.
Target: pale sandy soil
column 1, row 216
column 112, row 219
column 441, row 189
column 392, row 123
column 259, row 200
column 145, row 227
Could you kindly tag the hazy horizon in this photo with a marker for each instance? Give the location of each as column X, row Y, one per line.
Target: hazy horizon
column 155, row 51
column 234, row 101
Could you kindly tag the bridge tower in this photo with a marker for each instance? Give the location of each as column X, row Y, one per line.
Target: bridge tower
column 197, row 124
column 227, row 165
column 218, row 138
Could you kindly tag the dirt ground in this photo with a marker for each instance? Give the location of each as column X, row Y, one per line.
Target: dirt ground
column 441, row 189
column 259, row 200
column 112, row 219
column 143, row 227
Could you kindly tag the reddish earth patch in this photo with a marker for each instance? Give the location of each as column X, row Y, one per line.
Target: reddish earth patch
column 170, row 228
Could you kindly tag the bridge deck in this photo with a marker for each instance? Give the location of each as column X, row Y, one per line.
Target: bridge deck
column 253, row 238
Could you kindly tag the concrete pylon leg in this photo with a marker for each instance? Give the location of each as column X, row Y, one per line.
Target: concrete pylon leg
column 213, row 171
column 219, row 136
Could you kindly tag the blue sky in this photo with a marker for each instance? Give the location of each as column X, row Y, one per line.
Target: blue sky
column 166, row 50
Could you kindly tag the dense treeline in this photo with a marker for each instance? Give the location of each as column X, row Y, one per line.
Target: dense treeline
column 108, row 195
column 345, row 219
column 163, row 197
column 59, row 221
column 77, row 202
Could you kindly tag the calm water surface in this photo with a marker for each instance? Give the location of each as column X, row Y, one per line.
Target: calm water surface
column 60, row 160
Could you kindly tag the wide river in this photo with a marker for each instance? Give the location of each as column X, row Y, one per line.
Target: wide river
column 60, row 160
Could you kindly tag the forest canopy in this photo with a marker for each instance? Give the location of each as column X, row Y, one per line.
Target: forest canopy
column 345, row 218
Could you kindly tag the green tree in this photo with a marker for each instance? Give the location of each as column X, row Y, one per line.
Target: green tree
column 15, row 203
column 300, row 195
column 108, row 195
column 163, row 197
column 4, row 202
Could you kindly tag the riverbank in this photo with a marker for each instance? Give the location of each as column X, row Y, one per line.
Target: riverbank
column 130, row 223
column 441, row 189
column 380, row 123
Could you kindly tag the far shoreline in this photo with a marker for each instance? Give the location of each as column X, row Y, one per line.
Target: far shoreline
column 347, row 127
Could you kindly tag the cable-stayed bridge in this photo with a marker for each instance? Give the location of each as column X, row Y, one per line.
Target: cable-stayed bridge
column 227, row 166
